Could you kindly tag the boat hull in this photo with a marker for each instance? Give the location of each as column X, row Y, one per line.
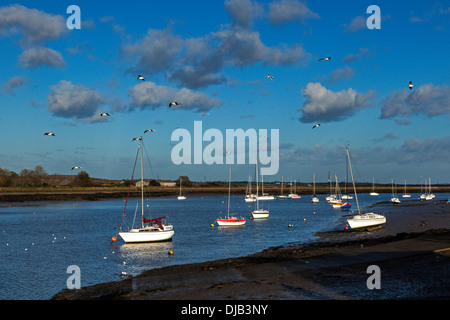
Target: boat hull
column 146, row 236
column 365, row 221
column 181, row 197
column 232, row 221
column 260, row 214
column 315, row 200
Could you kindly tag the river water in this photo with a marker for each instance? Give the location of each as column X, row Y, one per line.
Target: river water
column 40, row 240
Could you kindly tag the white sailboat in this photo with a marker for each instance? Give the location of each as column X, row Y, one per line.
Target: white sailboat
column 151, row 230
column 395, row 200
column 259, row 213
column 264, row 196
column 430, row 195
column 406, row 195
column 373, row 193
column 314, row 199
column 233, row 220
column 337, row 202
column 282, row 196
column 181, row 197
column 294, row 195
column 363, row 221
column 249, row 196
column 332, row 196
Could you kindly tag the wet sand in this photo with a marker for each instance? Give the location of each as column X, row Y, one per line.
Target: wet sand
column 412, row 252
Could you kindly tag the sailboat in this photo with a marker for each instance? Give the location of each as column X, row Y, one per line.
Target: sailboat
column 151, row 230
column 406, row 195
column 294, row 195
column 423, row 193
column 314, row 199
column 181, row 197
column 264, row 196
column 259, row 213
column 282, row 196
column 430, row 195
column 362, row 221
column 249, row 196
column 395, row 200
column 373, row 193
column 230, row 221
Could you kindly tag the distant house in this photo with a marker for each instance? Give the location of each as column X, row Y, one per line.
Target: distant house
column 139, row 184
column 167, row 183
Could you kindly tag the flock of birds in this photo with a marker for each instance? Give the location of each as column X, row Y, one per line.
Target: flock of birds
column 176, row 103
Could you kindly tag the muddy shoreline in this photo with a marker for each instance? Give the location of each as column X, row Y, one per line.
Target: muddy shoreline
column 412, row 252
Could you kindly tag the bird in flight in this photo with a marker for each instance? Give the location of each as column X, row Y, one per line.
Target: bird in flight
column 135, row 139
column 326, row 59
column 269, row 77
column 49, row 134
column 410, row 85
column 317, row 125
column 104, row 114
column 149, row 130
column 174, row 103
column 76, row 167
column 141, row 77
column 205, row 114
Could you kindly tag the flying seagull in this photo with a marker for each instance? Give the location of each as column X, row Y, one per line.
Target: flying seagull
column 410, row 85
column 141, row 77
column 174, row 103
column 205, row 114
column 317, row 125
column 149, row 130
column 49, row 134
column 104, row 114
column 326, row 59
column 76, row 167
column 135, row 139
column 269, row 77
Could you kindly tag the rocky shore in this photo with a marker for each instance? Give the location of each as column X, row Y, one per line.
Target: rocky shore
column 411, row 252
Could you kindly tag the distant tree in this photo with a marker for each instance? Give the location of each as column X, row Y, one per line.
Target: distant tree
column 154, row 183
column 185, row 182
column 82, row 180
column 6, row 179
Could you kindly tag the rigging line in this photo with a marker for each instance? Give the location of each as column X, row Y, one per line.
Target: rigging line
column 148, row 160
column 129, row 188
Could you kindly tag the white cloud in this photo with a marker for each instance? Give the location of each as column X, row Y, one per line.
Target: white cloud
column 13, row 83
column 34, row 26
column 342, row 73
column 426, row 99
column 281, row 11
column 325, row 105
column 243, row 12
column 37, row 56
column 74, row 101
column 149, row 94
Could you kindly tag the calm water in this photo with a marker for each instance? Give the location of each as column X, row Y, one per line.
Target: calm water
column 38, row 241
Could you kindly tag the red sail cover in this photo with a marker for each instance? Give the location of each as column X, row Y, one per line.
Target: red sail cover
column 156, row 221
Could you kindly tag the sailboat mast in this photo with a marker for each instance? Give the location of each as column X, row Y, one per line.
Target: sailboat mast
column 229, row 188
column 257, row 183
column 142, row 183
column 353, row 181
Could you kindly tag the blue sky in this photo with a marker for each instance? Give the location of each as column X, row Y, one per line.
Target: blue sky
column 216, row 56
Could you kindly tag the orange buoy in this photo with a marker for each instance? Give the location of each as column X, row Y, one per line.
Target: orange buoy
column 346, row 227
column 304, row 219
column 170, row 252
column 114, row 238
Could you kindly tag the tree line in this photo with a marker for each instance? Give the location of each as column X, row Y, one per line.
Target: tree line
column 37, row 178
